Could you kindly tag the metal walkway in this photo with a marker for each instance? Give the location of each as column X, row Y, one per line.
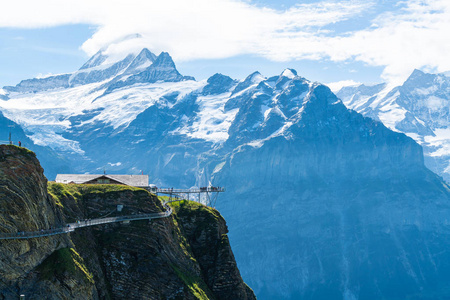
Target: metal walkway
column 210, row 193
column 86, row 223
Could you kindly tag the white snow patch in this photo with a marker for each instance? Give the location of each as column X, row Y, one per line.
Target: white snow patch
column 144, row 65
column 415, row 136
column 391, row 114
column 435, row 103
column 56, row 141
column 288, row 73
column 441, row 142
column 265, row 110
column 338, row 85
column 381, row 98
column 260, row 143
column 240, row 93
column 121, row 107
column 218, row 167
column 425, row 91
column 52, row 109
column 212, row 121
column 138, row 141
column 274, row 110
column 43, row 76
column 257, row 78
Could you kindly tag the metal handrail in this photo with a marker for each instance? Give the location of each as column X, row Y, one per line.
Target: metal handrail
column 85, row 223
column 187, row 191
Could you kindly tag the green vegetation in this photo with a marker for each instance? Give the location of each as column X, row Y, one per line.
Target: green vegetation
column 89, row 188
column 20, row 150
column 104, row 188
column 58, row 191
column 77, row 192
column 196, row 285
column 191, row 210
column 188, row 205
column 183, row 243
column 64, row 261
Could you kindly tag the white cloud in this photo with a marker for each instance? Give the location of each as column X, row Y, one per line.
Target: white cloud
column 187, row 29
column 415, row 36
column 336, row 86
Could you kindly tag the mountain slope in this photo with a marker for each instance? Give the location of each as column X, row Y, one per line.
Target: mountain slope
column 184, row 256
column 418, row 108
column 336, row 206
column 313, row 189
column 54, row 162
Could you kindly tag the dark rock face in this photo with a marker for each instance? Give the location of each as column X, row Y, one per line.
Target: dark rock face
column 90, row 76
column 145, row 57
column 156, row 260
column 162, row 69
column 96, row 60
column 25, row 206
column 337, row 206
column 218, row 84
column 206, row 232
column 40, row 84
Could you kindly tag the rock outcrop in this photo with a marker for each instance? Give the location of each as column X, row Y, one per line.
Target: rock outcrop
column 184, row 256
column 25, row 206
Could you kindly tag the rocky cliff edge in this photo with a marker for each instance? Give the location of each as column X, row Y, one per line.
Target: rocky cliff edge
column 184, row 256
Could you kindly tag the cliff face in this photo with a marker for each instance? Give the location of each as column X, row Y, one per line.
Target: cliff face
column 24, row 206
column 184, row 256
column 336, row 207
column 206, row 233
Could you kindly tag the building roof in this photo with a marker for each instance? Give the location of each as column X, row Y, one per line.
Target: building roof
column 131, row 180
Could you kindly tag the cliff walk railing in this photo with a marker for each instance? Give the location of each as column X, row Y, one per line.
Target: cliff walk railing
column 85, row 223
column 210, row 193
column 210, row 189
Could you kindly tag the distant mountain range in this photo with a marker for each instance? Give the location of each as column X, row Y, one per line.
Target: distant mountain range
column 420, row 108
column 322, row 202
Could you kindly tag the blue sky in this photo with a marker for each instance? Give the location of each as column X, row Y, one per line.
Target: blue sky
column 327, row 41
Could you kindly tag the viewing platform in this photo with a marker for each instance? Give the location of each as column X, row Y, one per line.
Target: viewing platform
column 207, row 195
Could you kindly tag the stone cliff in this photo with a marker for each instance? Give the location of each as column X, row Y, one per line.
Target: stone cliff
column 184, row 256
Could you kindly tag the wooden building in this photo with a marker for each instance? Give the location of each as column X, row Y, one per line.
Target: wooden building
column 131, row 180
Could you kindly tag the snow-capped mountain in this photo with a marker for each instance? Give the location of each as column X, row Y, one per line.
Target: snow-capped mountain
column 321, row 202
column 54, row 163
column 419, row 108
column 3, row 95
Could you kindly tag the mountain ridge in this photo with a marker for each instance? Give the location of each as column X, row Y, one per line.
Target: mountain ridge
column 418, row 108
column 312, row 187
column 184, row 256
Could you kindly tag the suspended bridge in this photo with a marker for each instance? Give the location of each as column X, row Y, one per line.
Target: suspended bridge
column 210, row 192
column 86, row 223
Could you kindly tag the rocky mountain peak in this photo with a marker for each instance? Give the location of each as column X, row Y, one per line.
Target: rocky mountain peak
column 164, row 60
column 419, row 79
column 286, row 76
column 289, row 73
column 251, row 79
column 218, row 84
column 416, row 74
column 142, row 61
column 96, row 60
